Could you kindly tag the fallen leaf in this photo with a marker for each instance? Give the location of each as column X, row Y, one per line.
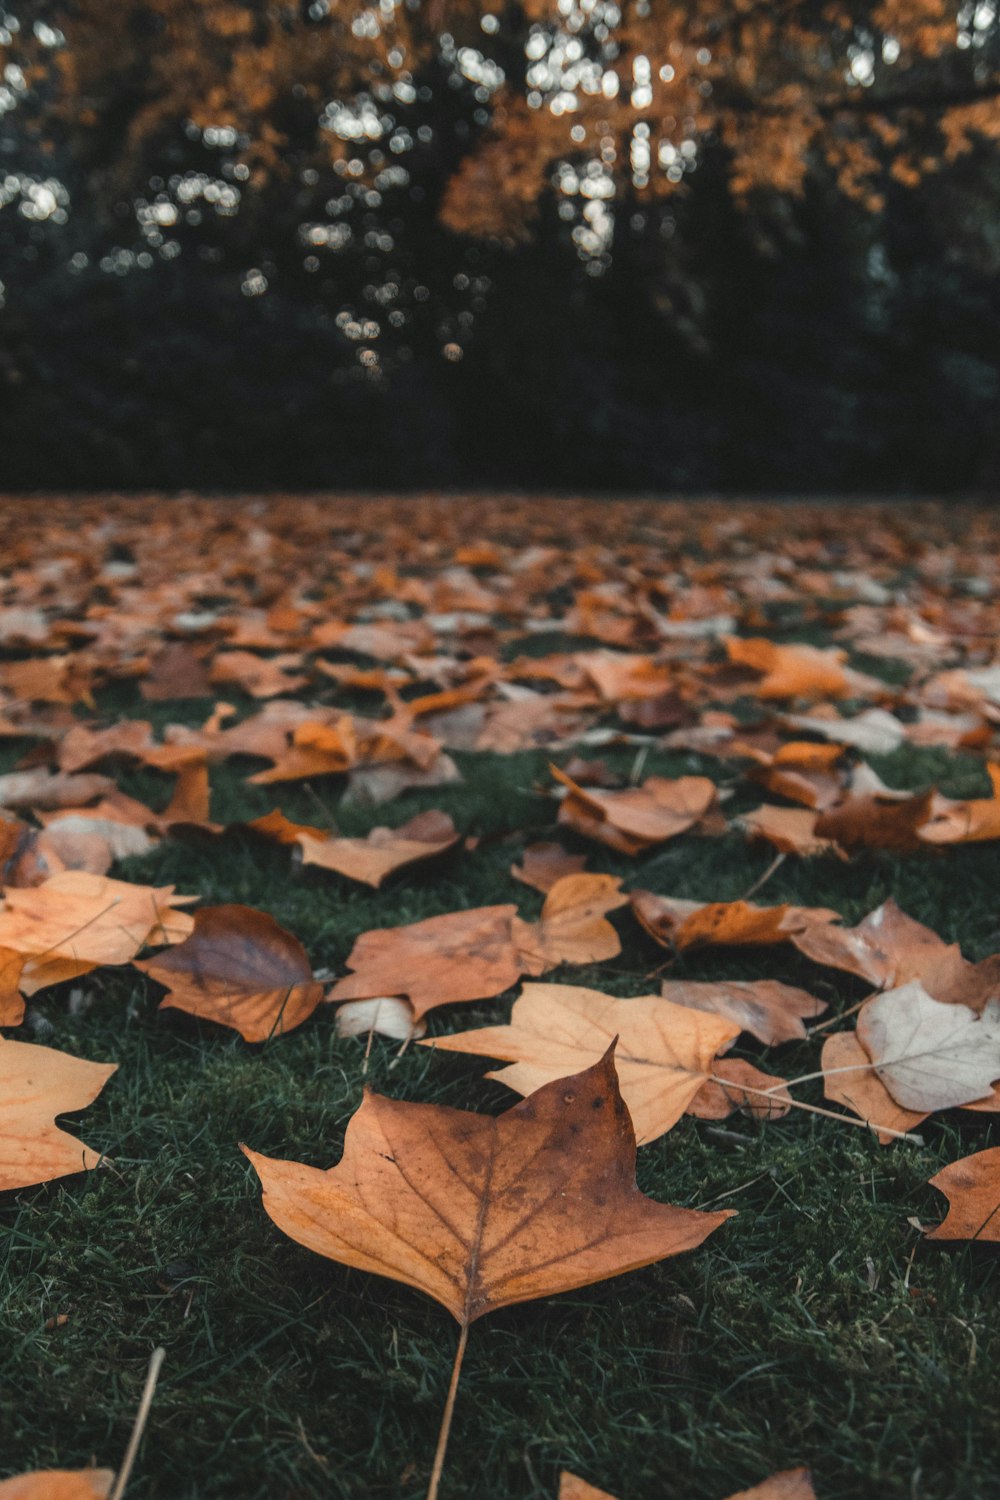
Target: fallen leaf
column 791, row 1484
column 11, row 1003
column 930, row 1055
column 638, row 818
column 791, row 830
column 681, row 924
column 76, row 921
column 58, row 1484
column 40, row 788
column 739, row 1085
column 241, row 969
column 849, row 1079
column 972, row 1187
column 384, row 1015
column 383, row 851
column 370, row 786
column 36, row 1085
column 664, row 1052
column 572, row 928
column 25, row 857
column 791, row 671
column 966, row 822
column 462, row 955
column 481, row 1213
column 543, row 864
column 573, row 1488
column 770, row 1011
column 877, row 823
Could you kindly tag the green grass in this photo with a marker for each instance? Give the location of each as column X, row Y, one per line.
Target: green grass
column 816, row 1327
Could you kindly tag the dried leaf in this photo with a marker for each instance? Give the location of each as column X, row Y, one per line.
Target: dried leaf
column 791, row 671
column 572, row 928
column 384, row 1015
column 664, row 1052
column 849, row 1079
column 462, row 955
column 792, row 830
column 58, row 1484
column 36, row 1085
column 972, row 1187
column 76, row 921
column 739, row 1085
column 383, row 851
column 680, row 924
column 543, row 864
column 638, row 818
column 770, row 1011
column 929, row 1055
column 480, row 1213
column 241, row 969
column 877, row 823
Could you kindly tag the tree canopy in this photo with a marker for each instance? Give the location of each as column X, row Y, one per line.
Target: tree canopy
column 668, row 226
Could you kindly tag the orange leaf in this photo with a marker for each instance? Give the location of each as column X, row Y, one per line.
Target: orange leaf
column 877, row 823
column 76, row 921
column 572, row 929
column 58, row 1484
column 462, row 955
column 664, row 1052
column 383, row 850
column 682, row 924
column 770, row 1011
column 634, row 820
column 972, row 1187
column 849, row 1079
column 792, row 830
column 791, row 1484
column 543, row 864
column 888, row 949
column 480, row 1213
column 791, row 671
column 731, row 1087
column 241, row 969
column 36, row 1085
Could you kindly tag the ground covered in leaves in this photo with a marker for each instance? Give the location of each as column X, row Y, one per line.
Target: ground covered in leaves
column 444, row 657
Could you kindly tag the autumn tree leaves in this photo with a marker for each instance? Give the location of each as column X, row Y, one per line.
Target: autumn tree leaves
column 620, row 995
column 621, row 98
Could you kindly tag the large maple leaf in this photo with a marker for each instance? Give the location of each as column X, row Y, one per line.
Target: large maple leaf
column 480, row 1213
column 36, row 1084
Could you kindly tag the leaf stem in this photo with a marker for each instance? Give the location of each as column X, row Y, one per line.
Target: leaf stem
column 152, row 1375
column 446, row 1415
column 815, row 1109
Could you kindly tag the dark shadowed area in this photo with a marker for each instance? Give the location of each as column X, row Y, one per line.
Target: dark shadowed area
column 560, row 243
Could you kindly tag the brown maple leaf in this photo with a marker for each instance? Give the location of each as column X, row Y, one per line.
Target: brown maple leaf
column 681, row 924
column 790, row 1484
column 770, row 1011
column 664, row 1053
column 637, row 818
column 461, row 955
column 58, row 1484
column 241, row 969
column 481, row 1213
column 76, row 921
column 381, row 852
column 36, row 1085
column 572, row 928
column 972, row 1187
column 888, row 949
column 543, row 864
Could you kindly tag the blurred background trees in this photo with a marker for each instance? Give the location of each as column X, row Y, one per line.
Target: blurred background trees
column 555, row 243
